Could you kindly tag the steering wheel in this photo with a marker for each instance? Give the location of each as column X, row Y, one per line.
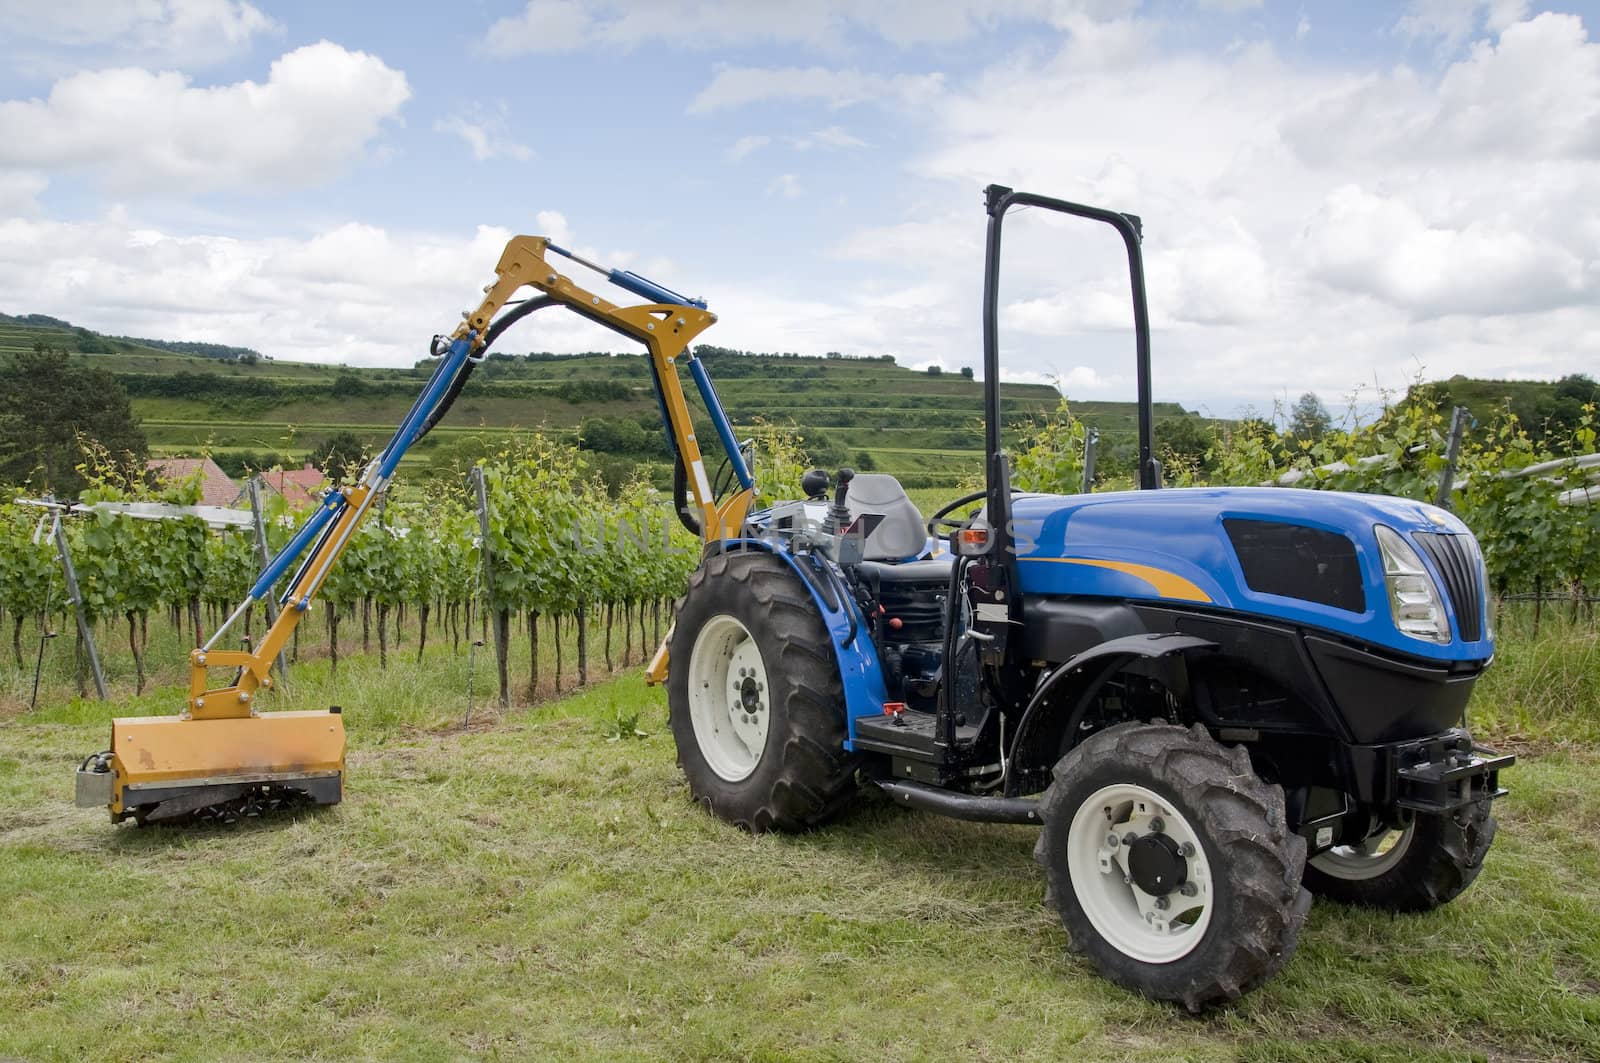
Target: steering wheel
column 941, row 524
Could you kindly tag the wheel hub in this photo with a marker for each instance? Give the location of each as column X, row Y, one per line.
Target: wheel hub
column 728, row 697
column 1157, row 865
column 1140, row 872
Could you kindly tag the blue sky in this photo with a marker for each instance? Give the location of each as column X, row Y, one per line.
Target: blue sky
column 1335, row 195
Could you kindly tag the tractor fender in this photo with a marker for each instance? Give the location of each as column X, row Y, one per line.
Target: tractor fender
column 1074, row 683
column 860, row 671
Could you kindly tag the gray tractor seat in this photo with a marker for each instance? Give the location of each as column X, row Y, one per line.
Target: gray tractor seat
column 902, row 533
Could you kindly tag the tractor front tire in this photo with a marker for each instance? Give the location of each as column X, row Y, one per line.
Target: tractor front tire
column 1428, row 863
column 755, row 700
column 1171, row 863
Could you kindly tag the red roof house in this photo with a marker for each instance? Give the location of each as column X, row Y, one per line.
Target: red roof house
column 299, row 487
column 216, row 489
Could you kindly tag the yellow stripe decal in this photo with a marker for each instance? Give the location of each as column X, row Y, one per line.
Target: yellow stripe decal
column 1167, row 584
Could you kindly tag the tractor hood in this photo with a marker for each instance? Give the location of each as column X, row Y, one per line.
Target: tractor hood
column 1305, row 557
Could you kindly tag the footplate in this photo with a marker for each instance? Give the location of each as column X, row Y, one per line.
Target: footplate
column 1448, row 773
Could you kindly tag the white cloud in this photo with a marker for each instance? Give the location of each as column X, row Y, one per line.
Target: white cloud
column 542, row 26
column 565, row 25
column 1449, row 23
column 746, row 145
column 738, row 86
column 786, row 185
column 354, row 293
column 1532, row 93
column 139, row 131
column 1382, row 247
column 19, row 191
column 486, row 133
column 1306, row 227
column 830, row 137
column 187, row 31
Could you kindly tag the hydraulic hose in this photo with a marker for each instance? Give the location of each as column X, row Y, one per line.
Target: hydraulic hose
column 680, row 497
column 496, row 330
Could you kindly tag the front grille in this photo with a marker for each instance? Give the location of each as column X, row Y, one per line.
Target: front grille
column 1456, row 558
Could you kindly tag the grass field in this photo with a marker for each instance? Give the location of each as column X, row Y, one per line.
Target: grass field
column 538, row 885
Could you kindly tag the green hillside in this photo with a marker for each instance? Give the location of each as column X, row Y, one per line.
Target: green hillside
column 251, row 410
column 921, row 427
column 1539, row 404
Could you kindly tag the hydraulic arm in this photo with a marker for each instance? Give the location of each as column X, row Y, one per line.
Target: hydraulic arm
column 221, row 748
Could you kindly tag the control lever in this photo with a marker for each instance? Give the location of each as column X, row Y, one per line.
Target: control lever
column 839, row 513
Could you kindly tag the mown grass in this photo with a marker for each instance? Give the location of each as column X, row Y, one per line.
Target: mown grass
column 536, row 886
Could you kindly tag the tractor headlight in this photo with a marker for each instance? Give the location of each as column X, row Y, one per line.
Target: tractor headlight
column 1414, row 599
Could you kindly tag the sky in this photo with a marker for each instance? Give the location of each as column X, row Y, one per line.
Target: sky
column 1336, row 196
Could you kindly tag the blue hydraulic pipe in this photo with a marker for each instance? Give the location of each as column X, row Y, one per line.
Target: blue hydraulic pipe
column 649, row 289
column 455, row 359
column 719, row 419
column 643, row 287
column 330, row 508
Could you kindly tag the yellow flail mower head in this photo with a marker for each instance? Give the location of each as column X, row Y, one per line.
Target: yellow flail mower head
column 170, row 767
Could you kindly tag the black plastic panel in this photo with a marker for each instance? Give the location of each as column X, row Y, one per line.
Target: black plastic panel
column 1054, row 629
column 1296, row 561
column 1388, row 700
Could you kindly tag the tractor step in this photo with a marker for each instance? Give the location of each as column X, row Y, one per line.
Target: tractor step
column 910, row 735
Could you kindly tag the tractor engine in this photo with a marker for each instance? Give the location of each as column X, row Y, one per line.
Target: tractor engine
column 906, row 604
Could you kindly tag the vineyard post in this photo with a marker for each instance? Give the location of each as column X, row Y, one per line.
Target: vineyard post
column 253, row 488
column 1452, row 453
column 1091, row 447
column 85, row 632
column 501, row 635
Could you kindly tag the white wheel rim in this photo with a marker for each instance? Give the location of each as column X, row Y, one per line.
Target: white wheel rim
column 729, row 704
column 1132, row 921
column 1367, row 859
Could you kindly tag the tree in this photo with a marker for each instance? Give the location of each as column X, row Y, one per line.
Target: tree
column 1184, row 439
column 1308, row 419
column 935, row 370
column 607, row 436
column 50, row 409
column 966, row 372
column 338, row 453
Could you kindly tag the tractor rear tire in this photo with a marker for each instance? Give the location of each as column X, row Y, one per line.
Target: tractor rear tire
column 1430, row 863
column 1171, row 863
column 755, row 700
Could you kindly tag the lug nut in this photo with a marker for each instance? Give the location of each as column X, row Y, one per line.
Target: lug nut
column 1163, row 904
column 1113, row 841
column 1158, row 825
column 1129, row 838
column 1187, row 849
column 1189, row 889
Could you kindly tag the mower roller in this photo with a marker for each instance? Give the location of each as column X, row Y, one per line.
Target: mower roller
column 1213, row 702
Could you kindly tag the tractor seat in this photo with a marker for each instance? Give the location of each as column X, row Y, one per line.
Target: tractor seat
column 902, row 533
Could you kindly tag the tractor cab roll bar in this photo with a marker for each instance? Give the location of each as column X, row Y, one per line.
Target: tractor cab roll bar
column 998, row 200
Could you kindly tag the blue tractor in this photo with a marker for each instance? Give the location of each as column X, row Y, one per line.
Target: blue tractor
column 1214, row 702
